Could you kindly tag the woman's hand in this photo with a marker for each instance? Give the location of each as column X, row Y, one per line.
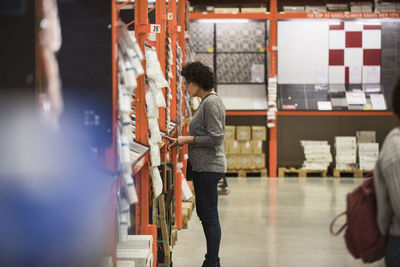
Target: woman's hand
column 181, row 140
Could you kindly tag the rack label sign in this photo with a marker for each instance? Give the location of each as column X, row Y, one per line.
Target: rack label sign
column 155, row 28
column 170, row 16
column 179, row 28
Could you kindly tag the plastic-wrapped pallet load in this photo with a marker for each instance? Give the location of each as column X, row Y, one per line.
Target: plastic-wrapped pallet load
column 317, row 154
column 346, row 152
column 368, row 154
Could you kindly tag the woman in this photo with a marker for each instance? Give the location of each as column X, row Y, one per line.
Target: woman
column 387, row 187
column 206, row 152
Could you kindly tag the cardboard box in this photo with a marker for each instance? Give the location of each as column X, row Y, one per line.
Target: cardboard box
column 137, row 242
column 125, row 263
column 232, row 147
column 259, row 161
column 257, row 146
column 243, row 133
column 232, row 162
column 246, row 147
column 366, row 136
column 246, row 161
column 141, row 257
column 259, row 133
column 230, row 132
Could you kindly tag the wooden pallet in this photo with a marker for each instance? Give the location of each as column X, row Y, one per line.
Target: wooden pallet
column 357, row 173
column 300, row 172
column 244, row 173
column 187, row 211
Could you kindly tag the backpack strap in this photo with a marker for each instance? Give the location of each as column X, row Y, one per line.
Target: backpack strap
column 333, row 222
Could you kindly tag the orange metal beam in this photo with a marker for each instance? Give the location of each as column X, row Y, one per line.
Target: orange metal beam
column 246, row 113
column 161, row 9
column 273, row 66
column 338, row 15
column 263, row 16
column 141, row 18
column 172, row 30
column 334, row 113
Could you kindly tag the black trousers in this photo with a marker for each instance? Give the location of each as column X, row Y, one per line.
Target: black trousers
column 205, row 186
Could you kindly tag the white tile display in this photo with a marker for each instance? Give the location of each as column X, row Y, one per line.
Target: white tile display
column 243, row 97
column 353, row 57
column 337, row 39
column 336, row 74
column 372, row 39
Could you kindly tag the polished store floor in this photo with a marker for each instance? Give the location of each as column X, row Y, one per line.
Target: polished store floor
column 275, row 222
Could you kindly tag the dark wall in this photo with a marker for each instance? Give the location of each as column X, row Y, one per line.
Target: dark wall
column 292, row 129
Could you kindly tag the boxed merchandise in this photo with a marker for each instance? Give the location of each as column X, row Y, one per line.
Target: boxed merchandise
column 243, row 133
column 346, row 152
column 137, row 242
column 246, row 161
column 366, row 136
column 368, row 154
column 232, row 162
column 141, row 257
column 315, row 8
column 230, row 132
column 245, row 147
column 225, row 10
column 125, row 264
column 317, row 154
column 259, row 161
column 257, row 146
column 232, row 147
column 259, row 133
column 293, row 9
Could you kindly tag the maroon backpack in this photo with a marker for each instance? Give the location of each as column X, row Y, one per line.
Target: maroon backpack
column 362, row 236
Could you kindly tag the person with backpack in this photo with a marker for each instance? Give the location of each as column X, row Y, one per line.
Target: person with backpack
column 387, row 187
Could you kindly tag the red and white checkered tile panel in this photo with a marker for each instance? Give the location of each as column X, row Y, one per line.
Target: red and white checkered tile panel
column 354, row 52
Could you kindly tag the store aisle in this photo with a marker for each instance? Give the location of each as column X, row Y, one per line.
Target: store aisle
column 275, row 222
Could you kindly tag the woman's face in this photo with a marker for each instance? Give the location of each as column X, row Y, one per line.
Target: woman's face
column 192, row 88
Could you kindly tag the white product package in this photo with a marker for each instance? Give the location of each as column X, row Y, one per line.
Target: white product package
column 155, row 134
column 153, row 69
column 123, row 227
column 155, row 158
column 130, row 189
column 128, row 49
column 124, row 209
column 157, row 182
column 186, row 192
column 130, row 74
column 157, row 94
column 124, row 100
column 151, row 107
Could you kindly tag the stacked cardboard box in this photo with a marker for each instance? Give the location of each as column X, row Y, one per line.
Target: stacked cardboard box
column 317, row 153
column 387, row 7
column 360, row 6
column 346, row 152
column 137, row 251
column 244, row 147
column 368, row 149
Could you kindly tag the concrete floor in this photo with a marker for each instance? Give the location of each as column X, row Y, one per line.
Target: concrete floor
column 275, row 222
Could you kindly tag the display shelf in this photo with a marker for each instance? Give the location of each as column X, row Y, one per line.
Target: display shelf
column 263, row 16
column 246, row 113
column 337, row 15
column 335, row 113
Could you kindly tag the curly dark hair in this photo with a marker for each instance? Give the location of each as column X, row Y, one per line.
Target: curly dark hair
column 396, row 98
column 200, row 74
